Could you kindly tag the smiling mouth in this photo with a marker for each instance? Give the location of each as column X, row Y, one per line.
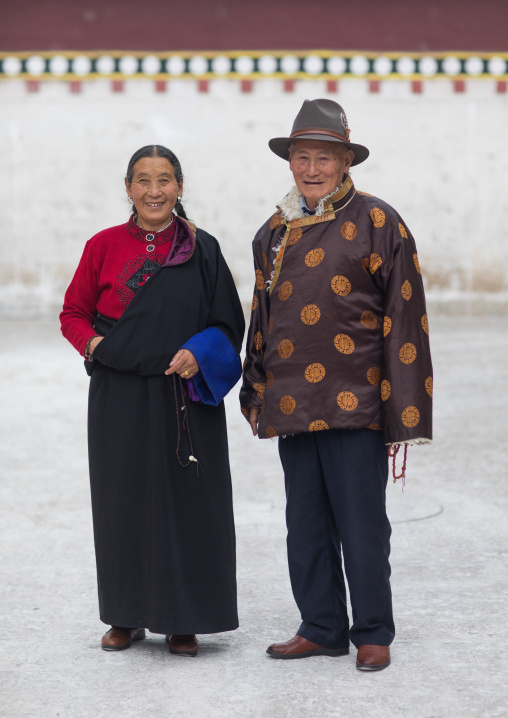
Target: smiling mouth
column 154, row 204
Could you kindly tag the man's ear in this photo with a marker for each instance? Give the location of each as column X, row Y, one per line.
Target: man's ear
column 350, row 155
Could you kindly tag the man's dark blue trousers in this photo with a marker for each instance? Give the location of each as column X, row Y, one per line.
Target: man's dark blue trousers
column 335, row 491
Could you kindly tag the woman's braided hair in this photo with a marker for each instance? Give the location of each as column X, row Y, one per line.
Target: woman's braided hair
column 157, row 151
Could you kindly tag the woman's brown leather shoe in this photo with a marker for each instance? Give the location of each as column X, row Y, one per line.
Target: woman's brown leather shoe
column 118, row 638
column 373, row 658
column 185, row 645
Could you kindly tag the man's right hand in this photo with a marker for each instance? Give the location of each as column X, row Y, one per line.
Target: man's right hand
column 254, row 413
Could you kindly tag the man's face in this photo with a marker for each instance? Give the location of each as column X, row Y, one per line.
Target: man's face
column 318, row 168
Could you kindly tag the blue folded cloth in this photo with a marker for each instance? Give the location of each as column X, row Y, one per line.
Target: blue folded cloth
column 219, row 365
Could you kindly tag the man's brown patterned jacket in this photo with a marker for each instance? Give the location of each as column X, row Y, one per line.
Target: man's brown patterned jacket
column 339, row 332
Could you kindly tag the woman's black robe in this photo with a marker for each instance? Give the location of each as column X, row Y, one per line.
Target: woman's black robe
column 164, row 535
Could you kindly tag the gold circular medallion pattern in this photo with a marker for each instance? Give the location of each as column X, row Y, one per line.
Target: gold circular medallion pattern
column 402, row 230
column 269, row 379
column 344, row 344
column 276, row 221
column 254, row 302
column 386, row 389
column 366, row 263
column 287, row 404
column 258, row 340
column 429, row 386
column 341, row 285
column 244, row 411
column 410, row 416
column 270, row 432
column 375, row 426
column 425, row 324
column 387, row 325
column 347, row 401
column 294, row 236
column 406, row 290
column 375, row 262
column 259, row 389
column 285, row 290
column 369, row 319
column 348, row 230
column 377, row 216
column 407, row 353
column 285, row 348
column 314, row 257
column 314, row 373
column 417, row 263
column 260, row 280
column 374, row 375
column 310, row 314
column 265, row 260
column 318, row 425
column 270, row 324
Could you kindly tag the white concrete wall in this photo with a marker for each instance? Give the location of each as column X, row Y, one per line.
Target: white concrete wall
column 440, row 158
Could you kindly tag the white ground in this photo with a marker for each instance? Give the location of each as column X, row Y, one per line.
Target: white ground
column 448, row 556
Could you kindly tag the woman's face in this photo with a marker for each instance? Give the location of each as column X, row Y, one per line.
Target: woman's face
column 154, row 191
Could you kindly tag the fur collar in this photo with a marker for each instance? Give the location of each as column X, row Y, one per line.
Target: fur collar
column 291, row 204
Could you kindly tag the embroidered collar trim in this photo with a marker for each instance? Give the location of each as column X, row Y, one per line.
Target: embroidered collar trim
column 184, row 244
column 157, row 237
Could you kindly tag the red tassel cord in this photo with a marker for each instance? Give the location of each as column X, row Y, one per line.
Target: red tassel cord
column 393, row 451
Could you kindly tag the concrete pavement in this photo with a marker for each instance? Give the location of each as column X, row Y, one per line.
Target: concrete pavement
column 449, row 551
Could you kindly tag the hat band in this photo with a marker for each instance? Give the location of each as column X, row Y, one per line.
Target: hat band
column 319, row 131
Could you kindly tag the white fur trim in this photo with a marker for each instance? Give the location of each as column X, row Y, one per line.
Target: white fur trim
column 320, row 209
column 291, row 204
column 417, row 442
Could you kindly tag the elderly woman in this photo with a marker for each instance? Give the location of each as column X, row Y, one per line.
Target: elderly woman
column 154, row 310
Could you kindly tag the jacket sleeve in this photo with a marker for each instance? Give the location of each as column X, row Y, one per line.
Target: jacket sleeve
column 406, row 380
column 219, row 365
column 79, row 309
column 254, row 378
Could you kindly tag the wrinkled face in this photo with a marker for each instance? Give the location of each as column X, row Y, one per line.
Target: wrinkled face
column 154, row 191
column 318, row 168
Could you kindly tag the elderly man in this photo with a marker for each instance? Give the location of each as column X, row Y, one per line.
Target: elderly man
column 338, row 367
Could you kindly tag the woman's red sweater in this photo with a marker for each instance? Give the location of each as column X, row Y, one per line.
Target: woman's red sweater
column 115, row 264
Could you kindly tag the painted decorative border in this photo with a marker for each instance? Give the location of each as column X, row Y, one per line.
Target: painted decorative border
column 319, row 64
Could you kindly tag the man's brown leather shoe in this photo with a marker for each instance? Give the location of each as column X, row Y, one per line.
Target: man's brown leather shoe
column 373, row 658
column 186, row 645
column 118, row 638
column 299, row 647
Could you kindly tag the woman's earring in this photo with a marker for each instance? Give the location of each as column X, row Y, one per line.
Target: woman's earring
column 178, row 199
column 131, row 200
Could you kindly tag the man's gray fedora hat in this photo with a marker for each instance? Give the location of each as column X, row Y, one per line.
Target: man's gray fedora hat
column 319, row 120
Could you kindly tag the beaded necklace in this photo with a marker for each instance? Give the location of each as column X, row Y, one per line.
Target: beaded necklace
column 185, row 423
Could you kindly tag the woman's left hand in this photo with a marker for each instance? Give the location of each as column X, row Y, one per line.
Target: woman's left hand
column 184, row 364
